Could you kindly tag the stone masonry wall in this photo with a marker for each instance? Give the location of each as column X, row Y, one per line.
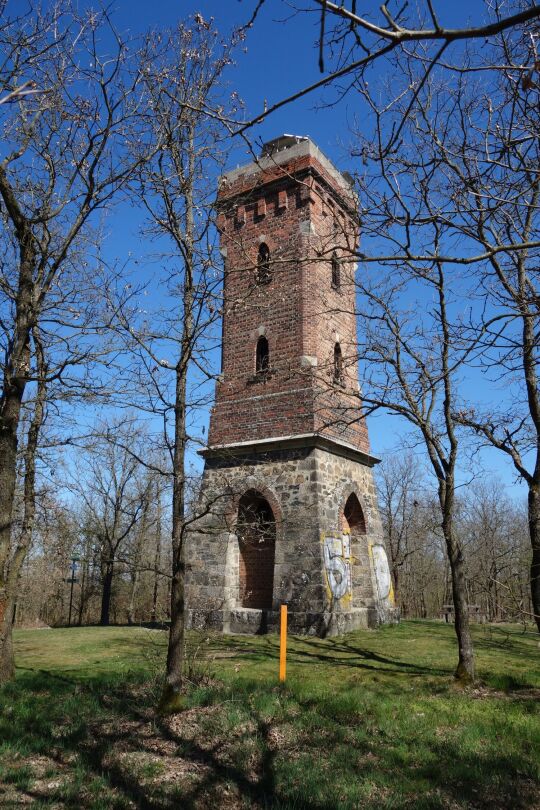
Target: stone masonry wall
column 307, row 490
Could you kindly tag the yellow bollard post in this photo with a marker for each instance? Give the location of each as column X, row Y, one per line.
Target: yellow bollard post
column 283, row 644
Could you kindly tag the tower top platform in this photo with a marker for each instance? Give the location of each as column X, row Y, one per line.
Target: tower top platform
column 287, row 154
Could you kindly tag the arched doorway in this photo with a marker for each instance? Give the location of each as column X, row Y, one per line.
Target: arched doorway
column 353, row 517
column 256, row 531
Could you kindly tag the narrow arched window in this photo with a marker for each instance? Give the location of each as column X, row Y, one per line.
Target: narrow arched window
column 262, row 357
column 353, row 515
column 336, row 272
column 263, row 264
column 338, row 364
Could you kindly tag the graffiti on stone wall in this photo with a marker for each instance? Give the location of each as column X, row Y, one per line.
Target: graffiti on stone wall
column 337, row 566
column 382, row 573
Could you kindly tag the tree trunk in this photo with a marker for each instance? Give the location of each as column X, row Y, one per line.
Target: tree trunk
column 136, row 574
column 498, row 610
column 9, row 423
column 157, row 558
column 171, row 699
column 106, row 594
column 534, row 532
column 16, row 370
column 7, row 664
column 131, row 606
column 465, row 668
column 82, row 594
column 12, row 567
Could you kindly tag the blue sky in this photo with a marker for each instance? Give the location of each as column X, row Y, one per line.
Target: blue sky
column 280, row 58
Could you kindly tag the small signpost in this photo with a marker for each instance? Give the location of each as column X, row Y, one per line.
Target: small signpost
column 283, row 644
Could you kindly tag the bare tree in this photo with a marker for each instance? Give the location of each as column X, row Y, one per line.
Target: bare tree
column 460, row 187
column 42, row 595
column 494, row 533
column 352, row 41
column 136, row 555
column 66, row 157
column 113, row 488
column 499, row 210
column 412, row 365
column 450, row 178
column 401, row 493
column 173, row 344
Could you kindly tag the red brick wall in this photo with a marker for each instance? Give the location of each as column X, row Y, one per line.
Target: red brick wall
column 303, row 215
column 256, row 572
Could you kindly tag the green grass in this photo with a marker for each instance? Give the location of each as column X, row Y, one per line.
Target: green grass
column 368, row 720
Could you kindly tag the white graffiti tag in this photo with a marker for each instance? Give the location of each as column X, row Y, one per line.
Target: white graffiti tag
column 382, row 571
column 337, row 565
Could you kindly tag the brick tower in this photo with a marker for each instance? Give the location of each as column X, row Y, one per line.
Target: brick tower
column 288, row 505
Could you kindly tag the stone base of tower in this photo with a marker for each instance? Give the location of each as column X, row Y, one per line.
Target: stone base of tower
column 252, row 621
column 293, row 521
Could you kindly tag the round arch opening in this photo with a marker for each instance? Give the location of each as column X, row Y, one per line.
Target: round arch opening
column 256, row 531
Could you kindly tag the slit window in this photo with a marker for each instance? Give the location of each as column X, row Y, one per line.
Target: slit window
column 263, row 264
column 338, row 365
column 336, row 272
column 262, row 357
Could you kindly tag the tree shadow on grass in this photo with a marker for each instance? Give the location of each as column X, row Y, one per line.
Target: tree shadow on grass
column 322, row 759
column 340, row 651
column 99, row 723
column 48, row 714
column 345, row 651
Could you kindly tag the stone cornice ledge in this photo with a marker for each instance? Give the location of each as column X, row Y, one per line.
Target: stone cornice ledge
column 289, row 442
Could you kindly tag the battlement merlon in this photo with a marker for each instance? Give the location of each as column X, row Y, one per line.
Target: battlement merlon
column 299, row 157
